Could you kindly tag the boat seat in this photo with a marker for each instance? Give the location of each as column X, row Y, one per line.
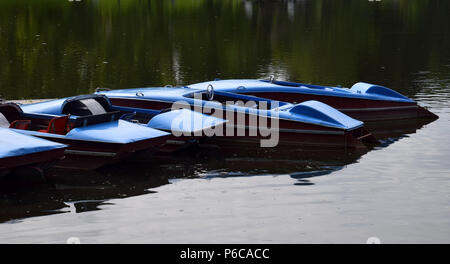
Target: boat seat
column 17, row 124
column 57, row 125
column 93, row 106
column 21, row 124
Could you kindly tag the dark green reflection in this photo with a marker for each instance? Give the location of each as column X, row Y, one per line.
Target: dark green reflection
column 56, row 48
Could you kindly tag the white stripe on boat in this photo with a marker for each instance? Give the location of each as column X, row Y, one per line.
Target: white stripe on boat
column 289, row 130
column 378, row 108
column 175, row 142
column 89, row 153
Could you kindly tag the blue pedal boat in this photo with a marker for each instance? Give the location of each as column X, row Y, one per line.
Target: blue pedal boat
column 21, row 151
column 94, row 141
column 309, row 123
column 363, row 101
column 91, row 107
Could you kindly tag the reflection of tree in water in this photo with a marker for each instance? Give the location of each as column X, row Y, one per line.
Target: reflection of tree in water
column 78, row 191
column 60, row 48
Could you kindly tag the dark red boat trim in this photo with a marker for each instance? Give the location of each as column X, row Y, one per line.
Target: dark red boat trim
column 361, row 109
column 31, row 159
column 88, row 155
column 145, row 104
column 334, row 101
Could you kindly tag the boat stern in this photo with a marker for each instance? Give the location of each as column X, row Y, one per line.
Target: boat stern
column 318, row 113
column 424, row 113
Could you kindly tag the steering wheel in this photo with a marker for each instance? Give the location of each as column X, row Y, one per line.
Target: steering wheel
column 210, row 92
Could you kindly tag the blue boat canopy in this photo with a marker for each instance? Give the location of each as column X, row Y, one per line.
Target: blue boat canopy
column 13, row 144
column 324, row 114
column 367, row 88
column 184, row 121
column 119, row 131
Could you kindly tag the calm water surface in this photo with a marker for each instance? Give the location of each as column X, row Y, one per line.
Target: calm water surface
column 398, row 192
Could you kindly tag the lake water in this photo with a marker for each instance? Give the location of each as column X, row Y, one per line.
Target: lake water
column 397, row 192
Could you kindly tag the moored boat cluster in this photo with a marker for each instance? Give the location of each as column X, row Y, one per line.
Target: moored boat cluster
column 91, row 131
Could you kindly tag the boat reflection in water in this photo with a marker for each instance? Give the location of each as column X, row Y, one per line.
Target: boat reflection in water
column 392, row 130
column 218, row 158
column 77, row 192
